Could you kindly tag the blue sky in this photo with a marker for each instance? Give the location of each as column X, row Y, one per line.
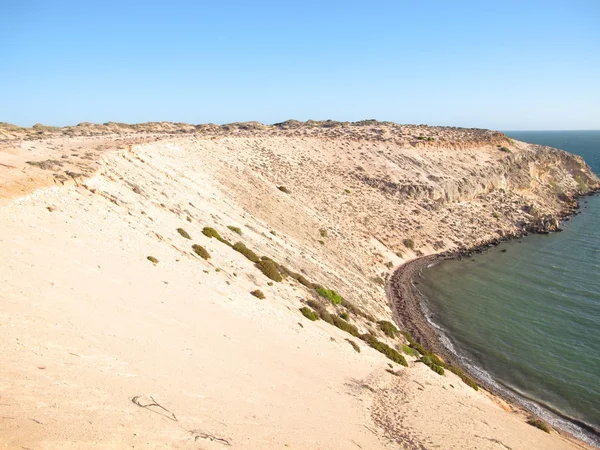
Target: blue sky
column 490, row 64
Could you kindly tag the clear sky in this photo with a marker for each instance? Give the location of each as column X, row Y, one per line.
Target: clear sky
column 492, row 64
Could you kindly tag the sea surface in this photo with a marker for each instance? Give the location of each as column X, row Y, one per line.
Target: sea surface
column 526, row 315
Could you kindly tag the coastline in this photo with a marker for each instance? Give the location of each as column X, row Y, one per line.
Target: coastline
column 107, row 227
column 405, row 300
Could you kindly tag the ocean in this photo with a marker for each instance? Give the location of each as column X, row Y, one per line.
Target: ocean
column 528, row 319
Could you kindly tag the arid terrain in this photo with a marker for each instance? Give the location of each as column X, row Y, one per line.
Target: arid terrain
column 127, row 318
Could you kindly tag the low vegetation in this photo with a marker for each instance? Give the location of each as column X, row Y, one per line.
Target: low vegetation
column 331, row 295
column 183, row 233
column 354, row 345
column 309, row 313
column 152, row 259
column 296, row 276
column 581, row 184
column 235, row 229
column 388, row 329
column 345, row 326
column 283, row 189
column 258, row 294
column 385, row 349
column 429, row 362
column 409, row 351
column 409, row 243
column 433, row 360
column 241, row 248
column 465, row 378
column 212, row 233
column 201, row 251
column 356, row 310
column 539, row 424
column 269, row 268
column 378, row 280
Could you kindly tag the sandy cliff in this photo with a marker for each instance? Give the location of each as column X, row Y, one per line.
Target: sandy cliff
column 93, row 332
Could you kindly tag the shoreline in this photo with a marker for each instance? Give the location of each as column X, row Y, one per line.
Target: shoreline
column 404, row 298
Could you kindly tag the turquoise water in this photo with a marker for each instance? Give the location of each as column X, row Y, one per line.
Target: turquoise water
column 528, row 319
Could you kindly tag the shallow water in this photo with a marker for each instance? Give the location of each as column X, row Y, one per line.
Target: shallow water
column 530, row 316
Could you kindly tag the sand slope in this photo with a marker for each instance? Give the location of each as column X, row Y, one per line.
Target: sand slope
column 91, row 332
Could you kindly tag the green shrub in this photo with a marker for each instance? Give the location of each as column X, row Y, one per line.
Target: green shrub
column 302, row 280
column 409, row 351
column 184, row 233
column 152, row 259
column 283, row 189
column 323, row 232
column 344, row 315
column 428, row 361
column 201, row 251
column 420, row 348
column 325, row 316
column 504, row 149
column 409, row 243
column 388, row 328
column 539, row 424
column 297, row 276
column 212, row 233
column 269, row 269
column 333, row 296
column 258, row 294
column 309, row 313
column 345, row 326
column 465, row 378
column 408, row 337
column 416, row 347
column 235, row 229
column 384, row 348
column 437, row 369
column 241, row 248
column 354, row 345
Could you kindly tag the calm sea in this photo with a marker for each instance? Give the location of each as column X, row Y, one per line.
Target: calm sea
column 528, row 319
